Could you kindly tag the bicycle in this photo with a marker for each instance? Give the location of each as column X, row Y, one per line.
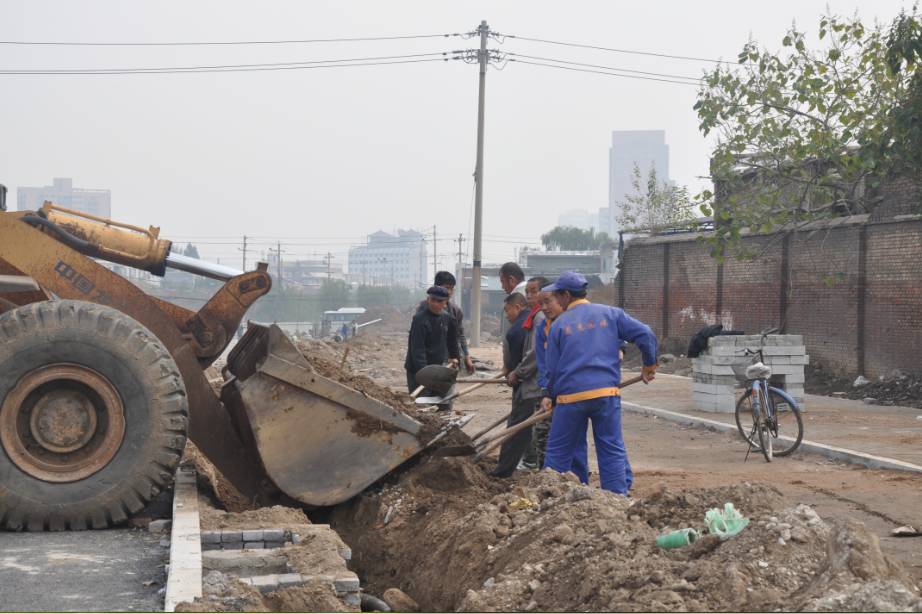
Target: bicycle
column 769, row 408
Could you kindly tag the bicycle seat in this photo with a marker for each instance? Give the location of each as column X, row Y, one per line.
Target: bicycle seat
column 758, row 370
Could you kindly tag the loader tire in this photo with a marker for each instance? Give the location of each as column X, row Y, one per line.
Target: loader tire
column 93, row 416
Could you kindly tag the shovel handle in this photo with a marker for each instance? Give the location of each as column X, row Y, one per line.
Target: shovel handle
column 491, row 427
column 494, row 442
column 466, row 390
column 491, row 443
column 417, row 392
column 480, row 380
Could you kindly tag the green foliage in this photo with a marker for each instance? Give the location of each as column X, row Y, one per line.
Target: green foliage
column 807, row 133
column 576, row 239
column 655, row 205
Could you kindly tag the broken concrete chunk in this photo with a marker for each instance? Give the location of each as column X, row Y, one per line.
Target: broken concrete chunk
column 159, row 526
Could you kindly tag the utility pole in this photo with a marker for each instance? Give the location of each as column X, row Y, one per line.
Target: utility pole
column 329, row 265
column 244, row 250
column 435, row 252
column 482, row 58
column 460, row 261
column 278, row 263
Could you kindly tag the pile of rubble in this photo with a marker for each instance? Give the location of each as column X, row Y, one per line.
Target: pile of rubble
column 273, row 559
column 894, row 388
column 451, row 538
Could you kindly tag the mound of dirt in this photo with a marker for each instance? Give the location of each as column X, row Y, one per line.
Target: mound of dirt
column 275, row 517
column 401, row 401
column 314, row 596
column 223, row 593
column 451, row 538
column 213, row 482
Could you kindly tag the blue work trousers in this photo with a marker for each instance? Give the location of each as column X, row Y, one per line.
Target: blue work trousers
column 566, row 444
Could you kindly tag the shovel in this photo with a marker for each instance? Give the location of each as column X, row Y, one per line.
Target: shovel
column 440, row 400
column 440, row 379
column 482, row 447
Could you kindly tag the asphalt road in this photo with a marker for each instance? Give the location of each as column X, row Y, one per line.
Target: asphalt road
column 82, row 570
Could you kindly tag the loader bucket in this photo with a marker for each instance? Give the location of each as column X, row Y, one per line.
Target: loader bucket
column 319, row 441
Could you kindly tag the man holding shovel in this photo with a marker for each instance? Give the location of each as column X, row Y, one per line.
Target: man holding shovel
column 525, row 394
column 433, row 339
column 583, row 374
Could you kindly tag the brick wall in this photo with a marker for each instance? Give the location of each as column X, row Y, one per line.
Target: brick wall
column 852, row 287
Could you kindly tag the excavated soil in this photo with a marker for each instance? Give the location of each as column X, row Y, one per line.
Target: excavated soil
column 275, row 517
column 451, row 538
column 212, row 482
column 322, row 359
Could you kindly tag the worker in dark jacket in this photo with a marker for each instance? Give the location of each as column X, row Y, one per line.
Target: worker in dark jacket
column 433, row 339
column 525, row 395
column 447, row 280
column 583, row 374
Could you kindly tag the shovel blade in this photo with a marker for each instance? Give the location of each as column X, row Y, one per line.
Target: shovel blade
column 437, row 378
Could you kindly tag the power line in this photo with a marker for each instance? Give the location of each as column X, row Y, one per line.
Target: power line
column 207, row 43
column 615, row 68
column 613, row 50
column 193, row 70
column 602, row 72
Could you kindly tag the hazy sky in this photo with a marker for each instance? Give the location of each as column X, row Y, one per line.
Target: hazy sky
column 319, row 158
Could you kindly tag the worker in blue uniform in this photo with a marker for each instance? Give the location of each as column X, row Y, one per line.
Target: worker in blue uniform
column 583, row 373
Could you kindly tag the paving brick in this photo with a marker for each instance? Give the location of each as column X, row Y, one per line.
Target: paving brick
column 288, row 580
column 230, row 536
column 211, row 537
column 252, row 535
column 274, row 535
column 347, row 583
column 254, row 545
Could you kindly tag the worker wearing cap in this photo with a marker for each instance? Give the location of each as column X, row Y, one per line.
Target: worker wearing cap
column 583, row 373
column 433, row 339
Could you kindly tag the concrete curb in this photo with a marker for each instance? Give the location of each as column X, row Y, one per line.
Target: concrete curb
column 832, row 452
column 184, row 581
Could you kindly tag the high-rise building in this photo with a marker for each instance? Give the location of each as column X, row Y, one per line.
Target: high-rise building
column 643, row 148
column 390, row 260
column 63, row 193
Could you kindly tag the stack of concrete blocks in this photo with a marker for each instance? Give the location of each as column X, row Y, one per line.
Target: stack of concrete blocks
column 245, row 539
column 715, row 386
column 256, row 558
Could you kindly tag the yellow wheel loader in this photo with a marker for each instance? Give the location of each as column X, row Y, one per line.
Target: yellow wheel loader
column 100, row 384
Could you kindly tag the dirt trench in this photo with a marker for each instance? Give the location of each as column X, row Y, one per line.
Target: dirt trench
column 453, row 539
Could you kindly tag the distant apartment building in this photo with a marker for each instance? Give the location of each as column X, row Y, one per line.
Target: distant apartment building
column 579, row 218
column 643, row 148
column 390, row 260
column 62, row 192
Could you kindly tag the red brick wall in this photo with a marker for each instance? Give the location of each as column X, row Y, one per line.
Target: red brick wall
column 822, row 301
column 894, row 297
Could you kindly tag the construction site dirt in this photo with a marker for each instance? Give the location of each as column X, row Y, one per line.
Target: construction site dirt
column 452, row 538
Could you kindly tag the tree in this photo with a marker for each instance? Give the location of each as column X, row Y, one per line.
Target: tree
column 655, row 204
column 576, row 239
column 808, row 133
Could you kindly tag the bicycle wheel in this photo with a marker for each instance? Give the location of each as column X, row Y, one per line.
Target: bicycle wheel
column 785, row 422
column 745, row 420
